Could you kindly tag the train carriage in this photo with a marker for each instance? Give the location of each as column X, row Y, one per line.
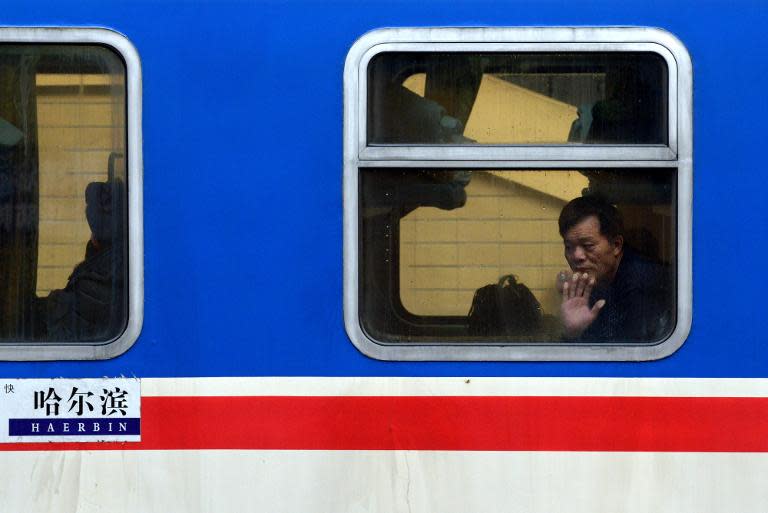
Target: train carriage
column 342, row 257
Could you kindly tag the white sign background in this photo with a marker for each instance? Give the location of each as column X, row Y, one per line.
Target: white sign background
column 18, row 401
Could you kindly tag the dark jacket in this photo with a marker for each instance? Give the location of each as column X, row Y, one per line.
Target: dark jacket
column 92, row 306
column 639, row 303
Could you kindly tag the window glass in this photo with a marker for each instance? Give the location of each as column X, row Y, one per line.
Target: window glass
column 477, row 255
column 517, row 98
column 63, row 194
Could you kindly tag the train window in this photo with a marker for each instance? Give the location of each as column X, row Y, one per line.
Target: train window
column 516, row 194
column 70, row 179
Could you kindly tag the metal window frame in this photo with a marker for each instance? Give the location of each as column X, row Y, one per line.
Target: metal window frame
column 43, row 351
column 677, row 153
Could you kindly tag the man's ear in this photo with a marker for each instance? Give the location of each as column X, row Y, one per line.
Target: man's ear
column 618, row 245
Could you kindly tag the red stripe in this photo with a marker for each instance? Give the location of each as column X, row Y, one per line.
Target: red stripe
column 702, row 424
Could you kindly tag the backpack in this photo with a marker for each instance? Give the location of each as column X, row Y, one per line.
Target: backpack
column 504, row 308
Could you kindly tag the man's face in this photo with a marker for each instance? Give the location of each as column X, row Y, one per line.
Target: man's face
column 589, row 251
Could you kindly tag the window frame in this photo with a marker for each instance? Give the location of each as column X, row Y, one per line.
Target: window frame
column 678, row 153
column 124, row 49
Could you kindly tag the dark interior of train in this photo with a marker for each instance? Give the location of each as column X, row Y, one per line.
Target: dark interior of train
column 63, row 208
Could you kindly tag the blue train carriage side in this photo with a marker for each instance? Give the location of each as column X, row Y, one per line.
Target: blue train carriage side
column 273, row 256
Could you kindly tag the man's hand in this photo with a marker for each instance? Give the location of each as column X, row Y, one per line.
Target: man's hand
column 575, row 313
column 562, row 277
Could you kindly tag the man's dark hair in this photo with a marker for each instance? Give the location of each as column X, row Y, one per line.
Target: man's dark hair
column 576, row 210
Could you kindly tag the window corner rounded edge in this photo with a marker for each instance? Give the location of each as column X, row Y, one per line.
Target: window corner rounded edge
column 360, row 340
column 363, row 44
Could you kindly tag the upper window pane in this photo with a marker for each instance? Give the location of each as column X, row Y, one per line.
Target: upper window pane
column 63, row 194
column 517, row 98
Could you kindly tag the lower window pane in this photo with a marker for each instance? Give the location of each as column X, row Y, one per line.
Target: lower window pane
column 478, row 256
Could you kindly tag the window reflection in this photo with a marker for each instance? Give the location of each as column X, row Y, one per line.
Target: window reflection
column 475, row 255
column 63, row 264
column 495, row 98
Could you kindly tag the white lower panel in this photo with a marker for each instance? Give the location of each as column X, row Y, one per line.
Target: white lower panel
column 381, row 481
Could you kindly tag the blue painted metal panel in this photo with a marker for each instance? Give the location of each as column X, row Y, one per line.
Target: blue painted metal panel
column 242, row 152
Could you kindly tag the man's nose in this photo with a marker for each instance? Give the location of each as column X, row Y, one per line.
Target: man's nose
column 578, row 254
